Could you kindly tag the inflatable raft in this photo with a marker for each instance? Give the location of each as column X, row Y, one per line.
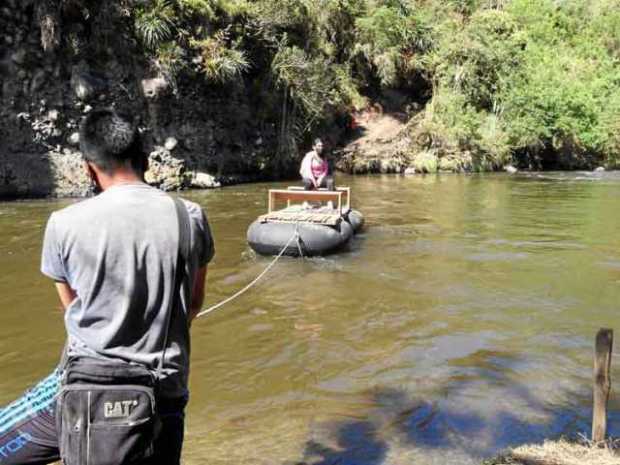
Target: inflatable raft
column 323, row 224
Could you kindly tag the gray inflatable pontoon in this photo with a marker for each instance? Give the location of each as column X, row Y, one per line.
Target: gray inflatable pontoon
column 321, row 229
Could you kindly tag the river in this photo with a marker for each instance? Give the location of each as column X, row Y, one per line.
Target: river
column 460, row 322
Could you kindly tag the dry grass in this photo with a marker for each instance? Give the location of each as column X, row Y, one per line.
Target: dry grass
column 562, row 452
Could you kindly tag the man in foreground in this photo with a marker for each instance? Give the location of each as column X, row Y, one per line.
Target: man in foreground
column 114, row 261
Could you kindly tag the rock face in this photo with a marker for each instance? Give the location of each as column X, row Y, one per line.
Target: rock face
column 24, row 175
column 197, row 134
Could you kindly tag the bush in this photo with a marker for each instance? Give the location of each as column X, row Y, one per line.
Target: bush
column 509, row 78
column 388, row 37
column 535, row 77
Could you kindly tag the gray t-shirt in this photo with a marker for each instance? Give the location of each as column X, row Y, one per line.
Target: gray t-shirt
column 118, row 252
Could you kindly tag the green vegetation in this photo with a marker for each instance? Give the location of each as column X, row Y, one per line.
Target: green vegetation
column 533, row 82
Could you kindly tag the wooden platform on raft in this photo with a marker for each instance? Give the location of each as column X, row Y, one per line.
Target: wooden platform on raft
column 323, row 216
column 317, row 212
column 341, row 197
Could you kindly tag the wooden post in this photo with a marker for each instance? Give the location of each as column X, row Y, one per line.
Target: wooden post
column 602, row 382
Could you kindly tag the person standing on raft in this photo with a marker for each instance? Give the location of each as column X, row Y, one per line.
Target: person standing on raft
column 315, row 169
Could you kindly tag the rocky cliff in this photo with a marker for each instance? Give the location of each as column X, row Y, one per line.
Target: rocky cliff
column 57, row 63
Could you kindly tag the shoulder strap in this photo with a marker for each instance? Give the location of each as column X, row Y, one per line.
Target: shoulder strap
column 184, row 229
column 181, row 265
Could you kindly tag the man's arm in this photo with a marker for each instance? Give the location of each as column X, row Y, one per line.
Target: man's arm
column 66, row 294
column 198, row 293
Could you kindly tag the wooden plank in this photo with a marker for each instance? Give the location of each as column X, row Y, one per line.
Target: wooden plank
column 300, row 196
column 345, row 190
column 304, row 196
column 602, row 382
column 274, row 217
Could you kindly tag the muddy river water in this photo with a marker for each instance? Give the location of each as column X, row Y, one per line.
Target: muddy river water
column 460, row 322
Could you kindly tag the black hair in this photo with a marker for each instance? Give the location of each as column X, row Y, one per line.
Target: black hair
column 109, row 139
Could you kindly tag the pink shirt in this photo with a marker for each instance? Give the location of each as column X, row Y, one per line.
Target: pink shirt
column 319, row 167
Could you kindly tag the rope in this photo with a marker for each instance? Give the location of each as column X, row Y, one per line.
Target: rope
column 299, row 242
column 263, row 273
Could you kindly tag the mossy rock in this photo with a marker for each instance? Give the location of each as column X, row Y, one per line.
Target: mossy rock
column 390, row 166
column 450, row 164
column 425, row 162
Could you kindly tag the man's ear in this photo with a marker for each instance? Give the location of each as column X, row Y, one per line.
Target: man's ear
column 92, row 174
column 89, row 170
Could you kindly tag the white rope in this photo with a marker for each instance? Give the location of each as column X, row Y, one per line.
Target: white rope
column 238, row 293
column 299, row 243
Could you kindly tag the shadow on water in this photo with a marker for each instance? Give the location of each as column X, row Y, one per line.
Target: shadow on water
column 357, row 442
column 451, row 423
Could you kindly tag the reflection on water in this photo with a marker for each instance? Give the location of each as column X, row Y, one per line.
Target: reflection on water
column 460, row 322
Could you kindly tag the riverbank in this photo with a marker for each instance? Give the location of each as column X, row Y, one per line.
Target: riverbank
column 237, row 92
column 561, row 452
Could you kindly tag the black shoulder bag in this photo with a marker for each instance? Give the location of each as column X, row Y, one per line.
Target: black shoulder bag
column 106, row 412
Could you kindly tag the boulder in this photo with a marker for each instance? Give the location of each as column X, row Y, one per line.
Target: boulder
column 70, row 179
column 600, row 169
column 426, row 162
column 510, row 169
column 74, row 138
column 202, row 180
column 170, row 143
column 449, row 164
column 388, row 166
column 165, row 171
column 364, row 165
column 409, row 171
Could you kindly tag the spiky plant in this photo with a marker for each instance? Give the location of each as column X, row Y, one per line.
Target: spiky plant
column 155, row 23
column 220, row 61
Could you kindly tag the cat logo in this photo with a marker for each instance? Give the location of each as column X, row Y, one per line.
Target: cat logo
column 119, row 409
